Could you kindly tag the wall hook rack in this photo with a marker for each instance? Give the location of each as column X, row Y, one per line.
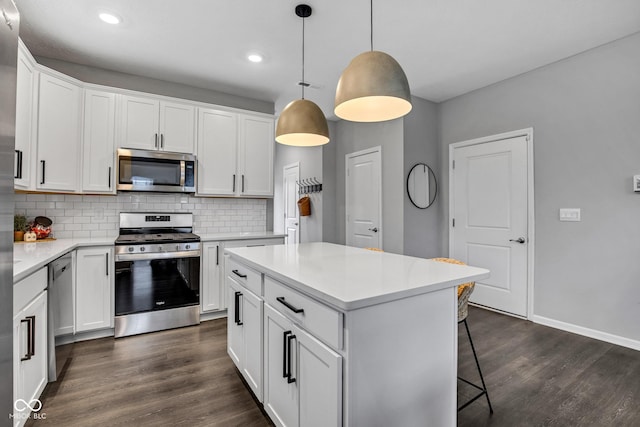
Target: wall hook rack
column 309, row 185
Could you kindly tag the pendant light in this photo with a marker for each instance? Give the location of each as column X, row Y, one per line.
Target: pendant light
column 373, row 88
column 302, row 122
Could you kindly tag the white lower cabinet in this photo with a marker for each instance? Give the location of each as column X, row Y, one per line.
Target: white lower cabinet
column 94, row 288
column 244, row 334
column 29, row 344
column 303, row 377
column 211, row 278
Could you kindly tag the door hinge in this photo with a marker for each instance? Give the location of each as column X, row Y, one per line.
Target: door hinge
column 453, row 222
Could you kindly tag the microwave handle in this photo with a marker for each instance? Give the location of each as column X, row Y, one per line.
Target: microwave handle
column 183, row 172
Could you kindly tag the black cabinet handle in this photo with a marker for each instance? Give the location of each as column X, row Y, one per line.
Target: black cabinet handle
column 285, row 353
column 109, row 178
column 217, row 255
column 18, row 174
column 33, row 334
column 289, row 306
column 237, row 308
column 244, row 276
column 43, row 170
column 156, row 141
column 243, row 183
column 290, row 379
column 234, row 183
column 21, row 155
column 162, row 140
column 27, row 355
column 106, row 264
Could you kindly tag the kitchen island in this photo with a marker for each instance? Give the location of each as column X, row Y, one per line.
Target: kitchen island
column 329, row 335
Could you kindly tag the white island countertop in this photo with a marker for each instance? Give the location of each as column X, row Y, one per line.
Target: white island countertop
column 349, row 278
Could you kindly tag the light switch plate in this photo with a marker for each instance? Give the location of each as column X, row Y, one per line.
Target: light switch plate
column 636, row 183
column 570, row 214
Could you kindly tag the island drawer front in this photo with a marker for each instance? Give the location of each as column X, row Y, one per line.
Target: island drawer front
column 28, row 288
column 316, row 318
column 243, row 275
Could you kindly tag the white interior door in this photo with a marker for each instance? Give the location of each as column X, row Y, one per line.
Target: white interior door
column 291, row 175
column 489, row 218
column 364, row 199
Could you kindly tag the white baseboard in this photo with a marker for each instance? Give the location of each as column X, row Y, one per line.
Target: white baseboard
column 213, row 315
column 587, row 332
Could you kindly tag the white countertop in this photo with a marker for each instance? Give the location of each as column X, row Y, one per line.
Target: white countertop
column 349, row 278
column 217, row 237
column 29, row 257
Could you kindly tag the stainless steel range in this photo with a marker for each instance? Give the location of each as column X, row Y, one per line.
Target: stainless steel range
column 157, row 260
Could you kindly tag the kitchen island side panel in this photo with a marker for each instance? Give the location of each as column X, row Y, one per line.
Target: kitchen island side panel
column 401, row 362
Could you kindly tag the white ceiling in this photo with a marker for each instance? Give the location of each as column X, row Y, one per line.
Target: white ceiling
column 446, row 47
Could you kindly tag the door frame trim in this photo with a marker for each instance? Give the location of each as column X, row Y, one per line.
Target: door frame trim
column 284, row 199
column 528, row 133
column 372, row 150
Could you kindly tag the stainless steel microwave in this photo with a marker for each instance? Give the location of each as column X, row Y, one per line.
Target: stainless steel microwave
column 142, row 170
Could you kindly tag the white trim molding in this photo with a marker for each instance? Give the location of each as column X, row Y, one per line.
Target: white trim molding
column 587, row 332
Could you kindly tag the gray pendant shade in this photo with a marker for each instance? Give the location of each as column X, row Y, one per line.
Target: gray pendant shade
column 373, row 88
column 303, row 124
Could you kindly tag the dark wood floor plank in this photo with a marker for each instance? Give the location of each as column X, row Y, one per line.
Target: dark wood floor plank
column 536, row 376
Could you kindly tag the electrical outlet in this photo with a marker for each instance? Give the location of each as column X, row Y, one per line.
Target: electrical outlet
column 570, row 214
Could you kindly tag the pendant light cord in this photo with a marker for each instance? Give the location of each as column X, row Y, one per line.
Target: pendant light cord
column 371, row 26
column 303, row 82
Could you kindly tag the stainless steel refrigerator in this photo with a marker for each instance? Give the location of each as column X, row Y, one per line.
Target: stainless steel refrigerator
column 9, row 22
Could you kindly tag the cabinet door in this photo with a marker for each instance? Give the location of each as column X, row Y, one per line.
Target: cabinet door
column 98, row 142
column 217, row 152
column 139, row 123
column 94, row 288
column 255, row 163
column 177, row 127
column 212, row 295
column 280, row 395
column 252, row 322
column 235, row 328
column 319, row 373
column 30, row 350
column 58, row 134
column 26, row 89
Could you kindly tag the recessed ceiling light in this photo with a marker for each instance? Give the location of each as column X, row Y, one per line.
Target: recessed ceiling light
column 254, row 57
column 109, row 18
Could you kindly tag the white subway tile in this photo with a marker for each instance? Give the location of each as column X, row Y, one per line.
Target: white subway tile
column 81, row 234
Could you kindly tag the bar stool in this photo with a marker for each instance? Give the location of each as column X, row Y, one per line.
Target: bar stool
column 464, row 292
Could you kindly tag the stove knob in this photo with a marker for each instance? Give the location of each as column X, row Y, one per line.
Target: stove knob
column 130, row 248
column 187, row 246
column 159, row 248
column 177, row 247
column 142, row 248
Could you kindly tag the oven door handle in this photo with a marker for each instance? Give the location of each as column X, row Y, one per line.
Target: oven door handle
column 157, row 255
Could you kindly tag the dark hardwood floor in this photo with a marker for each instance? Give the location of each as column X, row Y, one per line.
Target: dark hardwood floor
column 536, row 376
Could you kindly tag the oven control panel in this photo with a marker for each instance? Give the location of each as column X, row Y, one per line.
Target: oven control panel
column 160, row 248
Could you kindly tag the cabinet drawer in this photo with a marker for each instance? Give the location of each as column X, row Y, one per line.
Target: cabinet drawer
column 28, row 288
column 244, row 275
column 319, row 320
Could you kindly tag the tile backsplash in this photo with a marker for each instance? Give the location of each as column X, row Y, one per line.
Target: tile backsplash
column 76, row 216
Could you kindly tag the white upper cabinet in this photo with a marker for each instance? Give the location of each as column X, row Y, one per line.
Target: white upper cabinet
column 235, row 154
column 26, row 100
column 217, row 152
column 152, row 124
column 255, row 155
column 58, row 147
column 98, row 142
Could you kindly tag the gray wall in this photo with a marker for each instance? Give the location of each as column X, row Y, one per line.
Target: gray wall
column 354, row 137
column 422, row 229
column 585, row 112
column 160, row 87
column 310, row 159
column 329, row 177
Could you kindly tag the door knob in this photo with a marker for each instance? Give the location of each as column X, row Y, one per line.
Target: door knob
column 518, row 240
column 374, row 229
